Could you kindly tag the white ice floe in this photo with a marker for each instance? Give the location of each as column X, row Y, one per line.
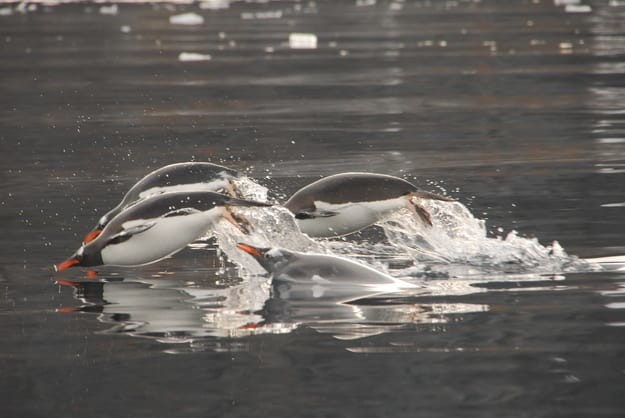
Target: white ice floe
column 565, row 2
column 186, row 19
column 214, row 4
column 269, row 14
column 193, row 56
column 6, row 11
column 302, row 41
column 577, row 8
column 125, row 29
column 112, row 9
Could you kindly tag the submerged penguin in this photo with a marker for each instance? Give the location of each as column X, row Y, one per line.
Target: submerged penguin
column 179, row 177
column 345, row 203
column 319, row 269
column 154, row 228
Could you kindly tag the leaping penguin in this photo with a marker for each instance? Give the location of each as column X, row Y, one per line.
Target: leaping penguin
column 345, row 203
column 154, row 228
column 179, row 177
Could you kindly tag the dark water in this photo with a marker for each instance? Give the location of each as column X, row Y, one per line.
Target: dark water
column 514, row 108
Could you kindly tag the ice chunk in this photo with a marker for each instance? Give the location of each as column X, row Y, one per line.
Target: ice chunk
column 214, row 4
column 112, row 9
column 577, row 8
column 125, row 29
column 302, row 41
column 193, row 56
column 6, row 11
column 186, row 19
column 270, row 14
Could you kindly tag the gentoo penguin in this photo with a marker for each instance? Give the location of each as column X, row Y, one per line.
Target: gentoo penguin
column 321, row 270
column 179, row 177
column 154, row 228
column 348, row 202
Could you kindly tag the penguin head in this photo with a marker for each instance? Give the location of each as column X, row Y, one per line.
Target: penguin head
column 271, row 259
column 97, row 230
column 88, row 255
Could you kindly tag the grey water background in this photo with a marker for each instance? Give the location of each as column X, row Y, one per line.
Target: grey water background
column 514, row 108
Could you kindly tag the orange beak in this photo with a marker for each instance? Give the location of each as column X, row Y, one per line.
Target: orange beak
column 70, row 262
column 249, row 249
column 67, row 309
column 92, row 235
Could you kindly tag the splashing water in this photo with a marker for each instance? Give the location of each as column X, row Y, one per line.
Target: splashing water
column 456, row 245
column 457, row 237
column 270, row 227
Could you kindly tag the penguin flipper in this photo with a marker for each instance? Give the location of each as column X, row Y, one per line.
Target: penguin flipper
column 315, row 213
column 127, row 233
column 180, row 212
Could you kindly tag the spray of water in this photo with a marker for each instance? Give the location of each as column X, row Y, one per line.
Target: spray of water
column 456, row 245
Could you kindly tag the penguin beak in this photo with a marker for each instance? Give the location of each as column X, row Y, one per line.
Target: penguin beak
column 92, row 235
column 249, row 249
column 70, row 262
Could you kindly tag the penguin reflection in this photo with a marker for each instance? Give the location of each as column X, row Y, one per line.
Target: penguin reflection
column 170, row 311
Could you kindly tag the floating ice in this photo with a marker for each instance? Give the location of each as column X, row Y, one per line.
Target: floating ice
column 6, row 11
column 193, row 56
column 302, row 41
column 566, row 47
column 112, row 9
column 277, row 14
column 214, row 4
column 125, row 29
column 186, row 19
column 577, row 8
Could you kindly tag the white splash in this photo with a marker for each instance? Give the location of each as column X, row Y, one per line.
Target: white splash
column 457, row 245
column 457, row 237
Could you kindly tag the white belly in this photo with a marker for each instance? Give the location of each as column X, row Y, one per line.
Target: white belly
column 351, row 217
column 167, row 237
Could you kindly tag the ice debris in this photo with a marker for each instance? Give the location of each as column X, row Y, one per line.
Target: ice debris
column 193, row 56
column 302, row 41
column 186, row 19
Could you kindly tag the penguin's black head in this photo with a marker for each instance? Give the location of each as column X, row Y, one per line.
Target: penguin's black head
column 86, row 256
column 97, row 230
column 270, row 259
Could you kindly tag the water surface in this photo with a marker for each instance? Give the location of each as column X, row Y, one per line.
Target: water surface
column 513, row 109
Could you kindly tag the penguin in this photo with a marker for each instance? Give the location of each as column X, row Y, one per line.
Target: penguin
column 345, row 203
column 186, row 176
column 154, row 228
column 322, row 271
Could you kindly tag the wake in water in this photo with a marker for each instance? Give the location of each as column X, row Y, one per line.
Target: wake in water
column 456, row 245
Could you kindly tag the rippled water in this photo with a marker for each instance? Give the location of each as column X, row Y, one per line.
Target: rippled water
column 515, row 109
